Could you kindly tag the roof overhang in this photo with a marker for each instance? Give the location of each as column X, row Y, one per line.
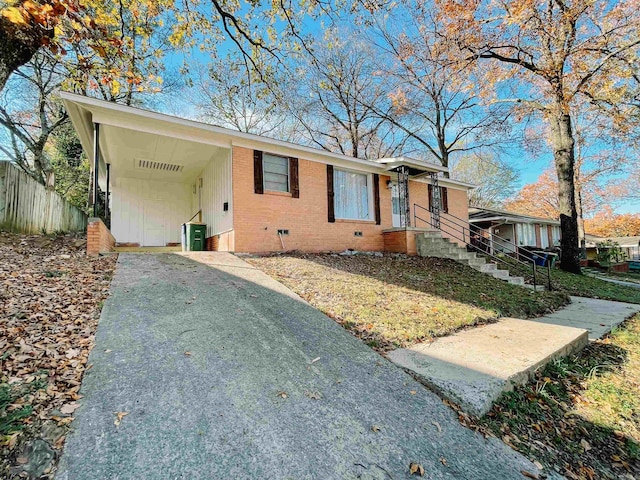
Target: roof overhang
column 86, row 111
column 416, row 167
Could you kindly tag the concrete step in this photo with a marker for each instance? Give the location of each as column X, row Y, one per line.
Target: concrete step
column 538, row 288
column 501, row 274
column 516, row 280
column 432, row 234
column 488, row 267
column 435, row 240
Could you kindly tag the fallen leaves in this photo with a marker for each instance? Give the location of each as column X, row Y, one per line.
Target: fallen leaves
column 281, row 394
column 69, row 408
column 119, row 417
column 50, row 299
column 416, row 469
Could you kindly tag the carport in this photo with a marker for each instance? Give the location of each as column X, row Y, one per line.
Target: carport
column 156, row 171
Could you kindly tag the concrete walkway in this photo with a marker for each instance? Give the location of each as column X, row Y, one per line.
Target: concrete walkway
column 224, row 373
column 613, row 280
column 474, row 367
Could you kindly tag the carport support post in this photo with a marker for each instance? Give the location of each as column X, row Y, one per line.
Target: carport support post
column 96, row 164
column 107, row 213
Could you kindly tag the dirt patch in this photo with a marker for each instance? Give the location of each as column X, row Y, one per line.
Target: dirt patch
column 51, row 294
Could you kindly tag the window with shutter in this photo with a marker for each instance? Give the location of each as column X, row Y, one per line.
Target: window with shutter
column 276, row 172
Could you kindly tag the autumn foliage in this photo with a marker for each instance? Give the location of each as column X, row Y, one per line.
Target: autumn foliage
column 539, row 199
column 608, row 224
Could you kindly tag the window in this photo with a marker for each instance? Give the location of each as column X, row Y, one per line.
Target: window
column 526, row 234
column 555, row 235
column 276, row 173
column 352, row 197
column 544, row 236
column 441, row 201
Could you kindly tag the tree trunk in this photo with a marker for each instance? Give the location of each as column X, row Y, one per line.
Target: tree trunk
column 563, row 145
column 580, row 213
column 17, row 46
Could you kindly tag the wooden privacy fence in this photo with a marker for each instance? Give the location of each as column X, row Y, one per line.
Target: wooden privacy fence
column 26, row 206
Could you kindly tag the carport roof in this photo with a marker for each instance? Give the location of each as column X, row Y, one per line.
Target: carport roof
column 85, row 111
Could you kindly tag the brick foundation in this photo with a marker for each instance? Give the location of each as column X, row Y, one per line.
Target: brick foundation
column 99, row 238
column 400, row 241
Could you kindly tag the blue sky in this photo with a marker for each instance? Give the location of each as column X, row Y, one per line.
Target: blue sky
column 530, row 166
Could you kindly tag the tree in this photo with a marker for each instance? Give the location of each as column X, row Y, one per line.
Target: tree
column 556, row 56
column 429, row 96
column 538, row 199
column 32, row 117
column 28, row 26
column 227, row 97
column 333, row 95
column 495, row 179
column 70, row 166
column 608, row 224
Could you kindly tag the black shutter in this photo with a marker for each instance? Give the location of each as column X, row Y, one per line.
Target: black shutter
column 294, row 182
column 430, row 196
column 376, row 197
column 445, row 199
column 330, row 195
column 258, row 177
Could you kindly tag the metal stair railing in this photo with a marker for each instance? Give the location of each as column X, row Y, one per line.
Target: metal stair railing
column 480, row 240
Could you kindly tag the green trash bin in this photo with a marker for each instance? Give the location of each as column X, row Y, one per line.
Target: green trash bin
column 194, row 236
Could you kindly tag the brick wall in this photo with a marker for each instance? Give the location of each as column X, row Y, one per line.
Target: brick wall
column 400, row 241
column 99, row 238
column 222, row 242
column 257, row 218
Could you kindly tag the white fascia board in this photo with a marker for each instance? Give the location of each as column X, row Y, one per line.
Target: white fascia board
column 447, row 182
column 515, row 220
column 151, row 122
column 393, row 162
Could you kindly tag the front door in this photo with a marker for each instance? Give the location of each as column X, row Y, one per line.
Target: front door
column 397, row 216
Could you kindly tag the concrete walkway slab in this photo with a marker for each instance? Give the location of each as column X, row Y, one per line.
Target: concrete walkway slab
column 225, row 373
column 473, row 367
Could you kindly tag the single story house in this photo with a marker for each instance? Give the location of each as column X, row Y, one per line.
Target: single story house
column 509, row 228
column 255, row 194
column 630, row 246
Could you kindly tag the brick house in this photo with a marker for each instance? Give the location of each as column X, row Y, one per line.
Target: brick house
column 255, row 194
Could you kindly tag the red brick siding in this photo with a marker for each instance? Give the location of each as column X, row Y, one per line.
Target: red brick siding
column 257, row 217
column 99, row 238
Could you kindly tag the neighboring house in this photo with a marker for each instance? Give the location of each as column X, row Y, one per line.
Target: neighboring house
column 630, row 246
column 511, row 228
column 256, row 194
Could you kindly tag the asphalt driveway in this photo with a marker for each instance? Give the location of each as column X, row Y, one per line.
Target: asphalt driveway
column 225, row 373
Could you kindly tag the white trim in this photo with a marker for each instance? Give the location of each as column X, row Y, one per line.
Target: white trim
column 85, row 110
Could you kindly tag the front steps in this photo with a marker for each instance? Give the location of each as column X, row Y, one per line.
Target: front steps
column 432, row 244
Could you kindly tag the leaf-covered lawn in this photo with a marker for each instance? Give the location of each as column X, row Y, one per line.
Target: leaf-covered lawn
column 51, row 294
column 583, row 285
column 581, row 415
column 396, row 301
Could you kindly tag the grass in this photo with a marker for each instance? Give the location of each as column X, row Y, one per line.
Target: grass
column 581, row 415
column 625, row 276
column 586, row 286
column 11, row 415
column 581, row 285
column 397, row 301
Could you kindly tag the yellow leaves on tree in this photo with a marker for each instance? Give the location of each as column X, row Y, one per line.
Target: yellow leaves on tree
column 608, row 224
column 539, row 199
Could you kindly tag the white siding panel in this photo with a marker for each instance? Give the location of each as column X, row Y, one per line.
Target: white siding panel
column 216, row 190
column 169, row 204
